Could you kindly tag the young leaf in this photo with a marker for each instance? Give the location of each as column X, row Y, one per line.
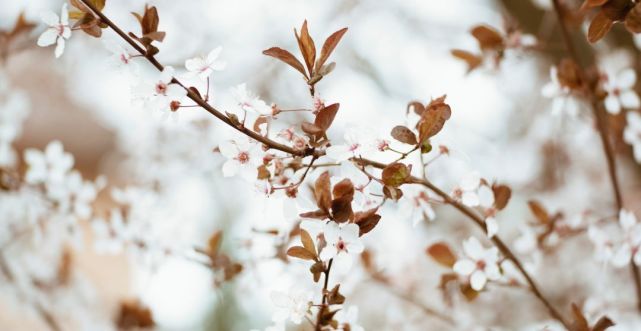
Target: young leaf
column 322, row 191
column 301, row 253
column 214, row 242
column 150, row 20
column 442, row 254
column 404, row 135
column 334, row 297
column 286, row 57
column 366, row 220
column 325, row 116
column 317, row 269
column 633, row 20
column 502, row 194
column 599, row 27
column 487, row 37
column 328, row 47
column 342, row 209
column 307, row 241
column 433, row 118
column 343, row 188
column 473, row 61
column 539, row 212
column 392, row 192
column 396, row 174
column 307, row 47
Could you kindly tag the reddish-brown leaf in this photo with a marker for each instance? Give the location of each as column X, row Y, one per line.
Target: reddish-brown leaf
column 473, row 61
column 599, row 27
column 592, row 3
column 404, row 135
column 325, row 116
column 580, row 323
column 301, row 253
column 366, row 220
column 539, row 212
column 396, row 174
column 468, row 292
column 617, row 10
column 133, row 315
column 342, row 209
column 150, row 20
column 307, row 48
column 322, row 191
column 602, row 324
column 308, row 242
column 417, row 106
column 214, row 242
column 433, row 118
column 502, row 194
column 392, row 192
column 317, row 214
column 442, row 254
column 344, row 188
column 328, row 47
column 286, row 57
column 487, row 37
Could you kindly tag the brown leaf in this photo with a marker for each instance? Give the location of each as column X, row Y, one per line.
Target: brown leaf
column 317, row 269
column 396, row 174
column 633, row 20
column 602, row 324
column 308, row 242
column 502, row 194
column 259, row 121
column 343, row 188
column 334, row 297
column 539, row 212
column 214, row 242
column 616, row 10
column 392, row 192
column 404, row 135
column 286, row 57
column 307, row 47
column 342, row 209
column 317, row 214
column 301, row 253
column 158, row 36
column 325, row 116
column 593, row 3
column 473, row 61
column 599, row 27
column 328, row 47
column 468, row 292
column 366, row 220
column 311, row 129
column 21, row 26
column 442, row 254
column 322, row 191
column 150, row 20
column 487, row 37
column 416, row 106
column 579, row 322
column 133, row 315
column 433, row 118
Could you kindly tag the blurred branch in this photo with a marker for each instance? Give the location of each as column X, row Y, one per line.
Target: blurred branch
column 603, row 133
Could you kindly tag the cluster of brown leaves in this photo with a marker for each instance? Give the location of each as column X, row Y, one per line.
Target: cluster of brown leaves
column 133, row 315
column 315, row 68
column 336, row 204
column 21, row 29
column 220, row 261
column 149, row 25
column 86, row 20
column 611, row 12
column 548, row 223
column 442, row 254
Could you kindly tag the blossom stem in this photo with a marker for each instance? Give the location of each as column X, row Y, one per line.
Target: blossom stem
column 602, row 127
column 324, row 304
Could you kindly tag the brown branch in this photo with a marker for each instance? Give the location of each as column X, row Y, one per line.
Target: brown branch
column 324, row 304
column 505, row 250
column 318, row 153
column 602, row 127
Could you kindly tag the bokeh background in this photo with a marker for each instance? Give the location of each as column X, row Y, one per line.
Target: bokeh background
column 394, row 52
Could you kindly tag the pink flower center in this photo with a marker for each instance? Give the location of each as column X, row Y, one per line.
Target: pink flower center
column 161, row 88
column 340, row 245
column 60, row 29
column 124, row 59
column 480, row 264
column 243, row 157
column 354, row 147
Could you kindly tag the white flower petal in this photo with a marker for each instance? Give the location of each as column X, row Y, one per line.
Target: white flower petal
column 478, row 280
column 630, row 99
column 612, row 104
column 491, row 226
column 48, row 37
column 464, row 267
column 626, row 78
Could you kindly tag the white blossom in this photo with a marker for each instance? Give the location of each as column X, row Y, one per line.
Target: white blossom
column 203, row 67
column 48, row 167
column 293, row 305
column 243, row 158
column 563, row 100
column 58, row 30
column 621, row 92
column 479, row 265
column 342, row 242
column 247, row 101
